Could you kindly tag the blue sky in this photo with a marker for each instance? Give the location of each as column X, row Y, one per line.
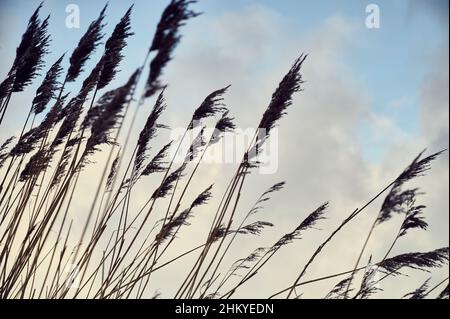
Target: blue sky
column 391, row 62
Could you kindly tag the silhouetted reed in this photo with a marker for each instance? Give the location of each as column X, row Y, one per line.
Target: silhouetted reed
column 113, row 50
column 211, row 106
column 169, row 182
column 170, row 228
column 86, row 47
column 420, row 292
column 117, row 256
column 28, row 61
column 148, row 132
column 339, row 291
column 4, row 150
column 367, row 288
column 47, row 90
column 395, row 200
column 444, row 293
column 156, row 165
column 112, row 173
column 400, row 201
column 308, row 222
column 166, row 38
column 111, row 105
column 37, row 163
column 418, row 261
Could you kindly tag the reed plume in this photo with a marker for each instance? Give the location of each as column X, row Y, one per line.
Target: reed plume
column 165, row 40
column 243, row 262
column 5, row 87
column 202, row 198
column 3, row 150
column 55, row 114
column 211, row 106
column 399, row 201
column 196, row 146
column 413, row 220
column 168, row 183
column 367, row 287
column 394, row 201
column 339, row 290
column 28, row 142
column 29, row 63
column 444, row 293
column 113, row 50
column 70, row 113
column 254, row 228
column 37, row 163
column 282, row 97
column 173, row 225
column 112, row 173
column 148, row 132
column 28, row 60
column 66, row 156
column 280, row 101
column 90, row 82
column 170, row 227
column 157, row 164
column 95, row 112
column 265, row 197
column 30, row 38
column 420, row 292
column 86, row 47
column 307, row 223
column 112, row 106
column 418, row 261
column 48, row 88
column 225, row 124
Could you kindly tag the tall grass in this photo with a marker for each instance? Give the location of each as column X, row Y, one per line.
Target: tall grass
column 119, row 248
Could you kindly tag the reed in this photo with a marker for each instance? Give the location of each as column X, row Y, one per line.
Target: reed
column 123, row 243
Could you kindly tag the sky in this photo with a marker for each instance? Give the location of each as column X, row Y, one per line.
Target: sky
column 372, row 100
